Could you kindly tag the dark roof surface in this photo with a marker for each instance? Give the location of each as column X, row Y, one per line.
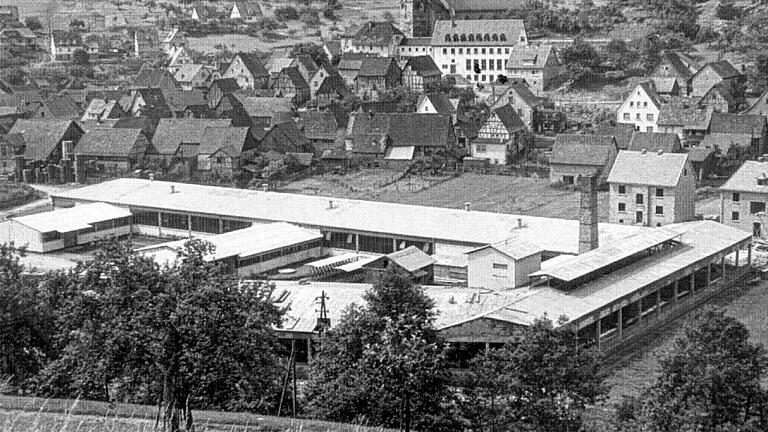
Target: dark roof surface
column 509, row 118
column 737, row 123
column 40, row 136
column 226, row 85
column 172, row 131
column 376, row 33
column 108, row 142
column 375, row 66
column 317, row 124
column 441, row 102
column 62, row 107
column 254, row 65
column 573, row 149
column 229, row 139
column 655, row 141
column 423, row 66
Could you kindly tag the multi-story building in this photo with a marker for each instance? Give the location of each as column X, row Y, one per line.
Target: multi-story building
column 536, row 66
column 477, row 50
column 744, row 196
column 651, row 189
column 420, row 16
column 641, row 108
column 374, row 37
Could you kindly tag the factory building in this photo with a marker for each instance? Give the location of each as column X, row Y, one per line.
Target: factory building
column 251, row 251
column 59, row 229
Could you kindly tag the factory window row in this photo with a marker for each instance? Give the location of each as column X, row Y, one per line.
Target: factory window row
column 476, row 51
column 260, row 258
column 495, row 37
column 181, row 221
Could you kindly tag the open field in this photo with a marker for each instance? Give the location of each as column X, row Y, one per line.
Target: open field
column 17, row 194
column 58, row 415
column 520, row 195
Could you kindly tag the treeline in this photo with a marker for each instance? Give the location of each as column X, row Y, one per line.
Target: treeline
column 189, row 336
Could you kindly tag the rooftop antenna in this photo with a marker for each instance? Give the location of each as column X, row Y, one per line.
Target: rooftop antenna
column 323, row 322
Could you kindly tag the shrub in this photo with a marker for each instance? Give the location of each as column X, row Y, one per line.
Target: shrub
column 727, row 10
column 286, row 13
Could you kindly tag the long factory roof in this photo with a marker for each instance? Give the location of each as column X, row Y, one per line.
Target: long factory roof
column 432, row 223
column 72, row 219
column 522, row 306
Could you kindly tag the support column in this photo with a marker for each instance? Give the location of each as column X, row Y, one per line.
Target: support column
column 309, row 350
column 658, row 303
column 394, row 245
column 749, row 255
column 598, row 330
column 159, row 224
column 487, row 347
column 709, row 275
column 639, row 311
column 357, row 243
column 221, row 226
column 693, row 283
column 737, row 258
column 722, row 261
column 189, row 226
column 677, row 286
column 619, row 324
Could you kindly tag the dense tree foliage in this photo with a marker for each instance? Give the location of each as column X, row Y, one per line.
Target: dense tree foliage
column 383, row 362
column 541, row 380
column 181, row 336
column 709, row 382
column 311, row 49
column 33, row 23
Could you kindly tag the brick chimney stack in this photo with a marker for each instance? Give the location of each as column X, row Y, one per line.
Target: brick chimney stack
column 588, row 236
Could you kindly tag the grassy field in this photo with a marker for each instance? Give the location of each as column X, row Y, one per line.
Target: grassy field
column 520, row 195
column 59, row 415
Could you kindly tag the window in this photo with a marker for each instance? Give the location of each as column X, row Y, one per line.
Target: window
column 174, row 221
column 622, row 207
column 499, row 266
column 639, row 217
column 506, row 50
column 639, row 198
column 205, row 224
column 498, row 64
column 734, row 216
column 445, row 50
column 659, row 210
column 50, row 236
column 480, row 148
column 453, row 50
column 626, row 116
column 631, row 104
column 568, row 180
column 491, row 65
column 145, row 218
column 736, row 197
column 756, row 207
column 660, row 192
column 469, row 64
column 622, row 189
column 649, row 117
column 482, row 64
column 637, row 116
column 461, row 50
column 645, row 104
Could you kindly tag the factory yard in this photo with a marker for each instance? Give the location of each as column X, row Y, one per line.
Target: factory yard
column 494, row 193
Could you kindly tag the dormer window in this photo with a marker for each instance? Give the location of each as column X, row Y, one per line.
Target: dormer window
column 463, row 37
column 503, row 37
column 487, row 38
column 495, row 37
column 447, row 38
column 455, row 38
column 762, row 180
column 471, row 38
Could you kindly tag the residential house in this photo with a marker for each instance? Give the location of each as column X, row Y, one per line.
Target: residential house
column 285, row 138
column 177, row 138
column 188, row 104
column 10, row 146
column 743, row 199
column 19, row 38
column 306, row 66
column 153, row 78
column 655, row 142
column 502, row 137
column 246, row 11
column 678, row 66
column 376, row 75
column 477, row 50
column 349, row 67
column 505, row 264
column 276, row 64
column 100, row 110
column 46, row 141
column 519, row 97
column 219, row 88
column 320, row 128
column 759, row 106
column 173, row 40
column 109, row 151
column 323, row 71
column 574, row 156
column 438, row 103
column 415, row 46
column 380, row 38
column 622, row 132
column 690, row 122
column 198, row 11
column 148, row 102
column 248, row 70
column 332, row 49
column 419, row 72
column 651, row 189
column 703, row 161
column 641, row 108
column 332, row 89
column 222, row 149
column 291, row 84
column 178, row 57
column 721, row 98
column 667, row 87
column 752, row 126
column 714, row 73
column 258, row 113
column 59, row 108
column 192, row 76
column 145, row 124
column 63, row 44
column 27, row 101
column 400, row 139
column 536, row 66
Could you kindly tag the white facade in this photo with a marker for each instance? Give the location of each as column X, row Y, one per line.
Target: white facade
column 461, row 60
column 490, row 268
column 640, row 109
column 494, row 152
column 22, row 235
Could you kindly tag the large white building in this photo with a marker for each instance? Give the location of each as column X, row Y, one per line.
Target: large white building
column 476, row 49
column 59, row 229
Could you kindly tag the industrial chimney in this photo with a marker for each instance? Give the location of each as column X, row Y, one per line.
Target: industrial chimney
column 588, row 236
